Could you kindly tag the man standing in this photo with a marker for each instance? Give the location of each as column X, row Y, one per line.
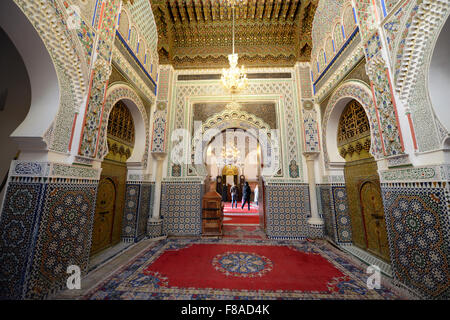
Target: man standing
column 246, row 195
column 233, row 196
column 256, row 194
column 224, row 193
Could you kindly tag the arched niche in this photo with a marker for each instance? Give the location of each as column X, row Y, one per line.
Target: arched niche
column 439, row 76
column 419, row 55
column 346, row 92
column 15, row 101
column 123, row 92
column 45, row 91
column 124, row 23
column 57, row 71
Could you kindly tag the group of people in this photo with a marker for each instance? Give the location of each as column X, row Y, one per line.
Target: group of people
column 246, row 193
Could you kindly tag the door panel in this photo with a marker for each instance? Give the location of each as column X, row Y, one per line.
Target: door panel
column 366, row 207
column 373, row 214
column 104, row 215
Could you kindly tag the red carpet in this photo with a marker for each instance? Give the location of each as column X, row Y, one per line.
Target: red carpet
column 227, row 208
column 238, row 216
column 238, row 269
column 241, row 219
column 249, row 267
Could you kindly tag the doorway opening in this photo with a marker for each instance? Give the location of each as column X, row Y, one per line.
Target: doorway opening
column 233, row 159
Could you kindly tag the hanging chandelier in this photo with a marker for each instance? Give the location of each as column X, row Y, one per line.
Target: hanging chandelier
column 234, row 79
column 230, row 154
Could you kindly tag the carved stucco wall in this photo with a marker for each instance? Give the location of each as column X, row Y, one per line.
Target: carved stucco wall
column 282, row 91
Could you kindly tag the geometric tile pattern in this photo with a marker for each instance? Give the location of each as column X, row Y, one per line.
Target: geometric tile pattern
column 18, row 221
column 144, row 210
column 342, row 215
column 181, row 204
column 316, row 232
column 154, row 229
column 417, row 220
column 64, row 236
column 325, row 211
column 287, row 211
column 130, row 213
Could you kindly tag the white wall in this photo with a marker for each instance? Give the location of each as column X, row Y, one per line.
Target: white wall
column 439, row 76
column 41, row 71
column 14, row 79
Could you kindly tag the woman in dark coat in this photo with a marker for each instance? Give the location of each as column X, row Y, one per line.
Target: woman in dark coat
column 246, row 195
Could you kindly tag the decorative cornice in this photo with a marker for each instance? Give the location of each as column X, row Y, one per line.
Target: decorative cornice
column 36, row 169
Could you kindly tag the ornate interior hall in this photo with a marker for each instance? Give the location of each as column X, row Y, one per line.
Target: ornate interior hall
column 224, row 149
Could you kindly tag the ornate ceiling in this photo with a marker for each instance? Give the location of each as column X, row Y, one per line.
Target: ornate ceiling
column 198, row 33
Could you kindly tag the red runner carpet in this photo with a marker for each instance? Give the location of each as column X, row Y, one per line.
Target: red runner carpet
column 238, row 216
column 227, row 208
column 245, row 267
column 241, row 220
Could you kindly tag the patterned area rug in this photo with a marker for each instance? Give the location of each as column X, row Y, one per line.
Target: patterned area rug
column 239, row 269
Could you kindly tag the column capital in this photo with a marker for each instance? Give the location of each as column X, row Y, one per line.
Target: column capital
column 159, row 155
column 311, row 155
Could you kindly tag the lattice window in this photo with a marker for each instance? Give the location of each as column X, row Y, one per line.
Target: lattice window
column 353, row 124
column 121, row 123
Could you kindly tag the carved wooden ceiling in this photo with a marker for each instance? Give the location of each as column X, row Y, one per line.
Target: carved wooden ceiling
column 198, row 33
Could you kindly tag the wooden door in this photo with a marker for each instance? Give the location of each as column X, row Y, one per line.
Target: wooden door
column 104, row 215
column 373, row 217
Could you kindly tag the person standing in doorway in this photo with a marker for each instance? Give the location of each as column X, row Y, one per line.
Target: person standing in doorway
column 234, row 195
column 246, row 195
column 224, row 193
column 256, row 194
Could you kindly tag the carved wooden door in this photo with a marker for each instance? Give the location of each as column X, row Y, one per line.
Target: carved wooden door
column 373, row 217
column 104, row 215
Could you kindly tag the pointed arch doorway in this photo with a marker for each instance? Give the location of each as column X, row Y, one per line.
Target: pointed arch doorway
column 362, row 182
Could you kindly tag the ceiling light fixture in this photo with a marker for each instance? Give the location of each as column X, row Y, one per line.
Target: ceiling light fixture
column 234, row 79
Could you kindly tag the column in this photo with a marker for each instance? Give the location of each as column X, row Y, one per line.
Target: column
column 315, row 217
column 154, row 225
